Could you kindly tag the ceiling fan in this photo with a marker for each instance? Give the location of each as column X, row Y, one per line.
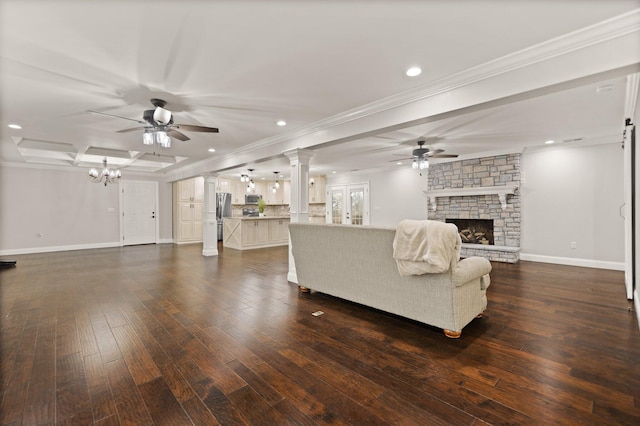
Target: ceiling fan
column 158, row 123
column 421, row 155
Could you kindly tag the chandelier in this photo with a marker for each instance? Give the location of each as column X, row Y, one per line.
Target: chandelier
column 106, row 176
column 158, row 135
column 276, row 184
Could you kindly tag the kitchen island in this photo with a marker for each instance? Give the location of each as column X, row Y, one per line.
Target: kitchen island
column 246, row 232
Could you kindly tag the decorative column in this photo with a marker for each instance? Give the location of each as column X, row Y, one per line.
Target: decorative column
column 299, row 204
column 209, row 221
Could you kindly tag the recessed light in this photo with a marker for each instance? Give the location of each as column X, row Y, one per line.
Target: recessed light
column 281, row 123
column 399, row 163
column 212, row 150
column 414, row 71
column 334, row 172
column 549, row 142
column 15, row 126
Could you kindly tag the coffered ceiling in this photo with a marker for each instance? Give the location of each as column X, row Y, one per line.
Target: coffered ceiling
column 497, row 76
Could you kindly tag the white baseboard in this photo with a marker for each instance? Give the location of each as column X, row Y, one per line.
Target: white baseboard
column 636, row 304
column 33, row 250
column 586, row 263
column 210, row 252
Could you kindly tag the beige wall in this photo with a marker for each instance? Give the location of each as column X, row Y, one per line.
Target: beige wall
column 49, row 209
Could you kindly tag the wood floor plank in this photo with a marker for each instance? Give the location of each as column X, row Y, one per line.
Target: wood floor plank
column 72, row 396
column 162, row 404
column 199, row 413
column 138, row 360
column 107, row 344
column 129, row 403
column 102, row 403
column 40, row 406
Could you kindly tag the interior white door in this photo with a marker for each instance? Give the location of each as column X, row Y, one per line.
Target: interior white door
column 139, row 212
column 349, row 204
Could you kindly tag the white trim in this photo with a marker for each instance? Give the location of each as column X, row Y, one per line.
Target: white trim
column 33, row 250
column 636, row 304
column 487, row 247
column 586, row 263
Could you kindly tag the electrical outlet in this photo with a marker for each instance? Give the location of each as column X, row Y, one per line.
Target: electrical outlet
column 573, row 245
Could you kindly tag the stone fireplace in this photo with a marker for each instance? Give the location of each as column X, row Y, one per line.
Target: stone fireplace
column 481, row 189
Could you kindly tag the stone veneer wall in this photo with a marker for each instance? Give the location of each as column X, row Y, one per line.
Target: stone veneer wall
column 482, row 172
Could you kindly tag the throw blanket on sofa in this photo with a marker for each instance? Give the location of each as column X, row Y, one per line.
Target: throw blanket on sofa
column 425, row 246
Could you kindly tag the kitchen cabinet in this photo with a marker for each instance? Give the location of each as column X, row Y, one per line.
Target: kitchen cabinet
column 255, row 232
column 238, row 191
column 223, row 185
column 274, row 198
column 279, row 231
column 260, row 189
column 317, row 191
column 188, row 210
column 245, row 233
column 190, row 190
column 282, row 195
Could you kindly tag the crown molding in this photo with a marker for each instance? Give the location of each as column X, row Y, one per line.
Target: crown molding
column 617, row 27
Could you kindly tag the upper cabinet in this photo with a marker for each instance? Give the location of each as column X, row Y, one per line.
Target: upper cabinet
column 317, row 189
column 238, row 190
column 223, row 185
column 275, row 196
column 191, row 190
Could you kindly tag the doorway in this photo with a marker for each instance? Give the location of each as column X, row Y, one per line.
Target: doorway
column 139, row 208
column 349, row 204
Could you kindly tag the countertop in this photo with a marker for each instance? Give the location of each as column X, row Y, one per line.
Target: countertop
column 257, row 218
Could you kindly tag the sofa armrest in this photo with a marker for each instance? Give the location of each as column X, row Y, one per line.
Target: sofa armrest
column 469, row 269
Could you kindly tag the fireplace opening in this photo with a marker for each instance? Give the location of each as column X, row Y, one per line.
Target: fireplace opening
column 474, row 231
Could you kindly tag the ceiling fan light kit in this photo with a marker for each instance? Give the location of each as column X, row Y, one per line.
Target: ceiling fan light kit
column 162, row 116
column 420, row 156
column 420, row 163
column 159, row 125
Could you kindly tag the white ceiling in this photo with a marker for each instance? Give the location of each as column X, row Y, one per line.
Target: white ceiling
column 243, row 65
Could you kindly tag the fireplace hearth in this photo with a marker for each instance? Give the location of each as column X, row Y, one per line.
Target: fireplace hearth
column 474, row 231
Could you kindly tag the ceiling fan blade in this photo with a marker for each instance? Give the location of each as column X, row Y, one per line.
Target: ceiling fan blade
column 176, row 134
column 133, row 129
column 115, row 116
column 400, row 159
column 435, row 152
column 192, row 128
column 443, row 156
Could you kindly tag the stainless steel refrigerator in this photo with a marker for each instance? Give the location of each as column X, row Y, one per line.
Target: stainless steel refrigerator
column 223, row 209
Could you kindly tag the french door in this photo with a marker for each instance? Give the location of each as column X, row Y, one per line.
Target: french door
column 139, row 212
column 348, row 204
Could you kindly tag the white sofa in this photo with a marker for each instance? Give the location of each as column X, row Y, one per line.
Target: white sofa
column 356, row 263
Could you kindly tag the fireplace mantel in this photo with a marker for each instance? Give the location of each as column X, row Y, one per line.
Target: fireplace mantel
column 500, row 191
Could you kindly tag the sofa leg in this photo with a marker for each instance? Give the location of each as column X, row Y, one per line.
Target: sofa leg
column 304, row 289
column 452, row 334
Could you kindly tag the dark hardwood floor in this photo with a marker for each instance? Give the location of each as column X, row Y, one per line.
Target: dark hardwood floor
column 161, row 335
